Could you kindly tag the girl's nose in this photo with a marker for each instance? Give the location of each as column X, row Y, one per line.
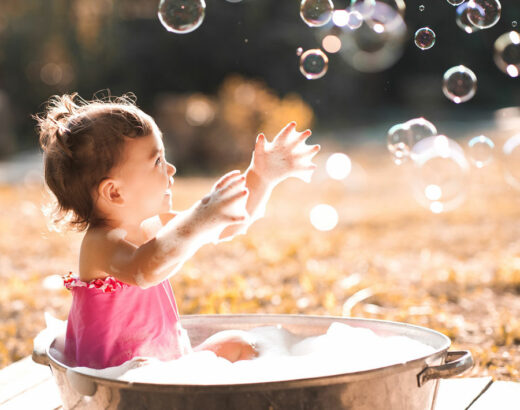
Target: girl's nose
column 171, row 169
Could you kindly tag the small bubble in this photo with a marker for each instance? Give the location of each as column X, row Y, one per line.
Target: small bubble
column 456, row 2
column 459, row 84
column 399, row 141
column 316, row 13
column 299, row 51
column 421, row 7
column 424, row 38
column 181, row 16
column 514, row 24
column 314, row 64
column 481, row 150
column 338, row 166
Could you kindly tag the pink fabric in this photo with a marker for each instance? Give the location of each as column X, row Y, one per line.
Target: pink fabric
column 109, row 325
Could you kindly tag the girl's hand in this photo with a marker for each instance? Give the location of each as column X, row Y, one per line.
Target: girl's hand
column 286, row 156
column 226, row 203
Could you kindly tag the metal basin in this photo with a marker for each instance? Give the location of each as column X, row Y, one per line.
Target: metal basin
column 409, row 385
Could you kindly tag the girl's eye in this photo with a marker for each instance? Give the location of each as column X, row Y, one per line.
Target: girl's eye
column 158, row 161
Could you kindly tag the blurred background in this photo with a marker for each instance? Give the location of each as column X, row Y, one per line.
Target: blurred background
column 377, row 251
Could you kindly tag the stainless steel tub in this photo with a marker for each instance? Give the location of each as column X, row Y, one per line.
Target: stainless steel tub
column 409, row 385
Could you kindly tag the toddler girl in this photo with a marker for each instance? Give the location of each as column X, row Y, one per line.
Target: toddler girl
column 105, row 163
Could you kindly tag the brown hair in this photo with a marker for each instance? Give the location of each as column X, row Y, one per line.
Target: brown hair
column 82, row 141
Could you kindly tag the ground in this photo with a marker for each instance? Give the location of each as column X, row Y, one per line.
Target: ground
column 388, row 258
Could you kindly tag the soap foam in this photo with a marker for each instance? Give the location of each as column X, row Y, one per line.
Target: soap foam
column 282, row 356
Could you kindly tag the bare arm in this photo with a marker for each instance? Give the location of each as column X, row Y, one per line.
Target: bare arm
column 181, row 236
column 286, row 156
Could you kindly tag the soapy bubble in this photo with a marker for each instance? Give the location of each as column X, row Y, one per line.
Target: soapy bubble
column 462, row 19
column 299, row 51
column 355, row 20
column 440, row 173
column 455, row 2
column 420, row 128
column 367, row 7
column 514, row 23
column 421, row 7
column 511, row 161
column 338, row 166
column 314, row 64
column 316, row 13
column 484, row 13
column 181, row 16
column 323, row 217
column 507, row 53
column 459, row 84
column 481, row 150
column 424, row 38
column 378, row 41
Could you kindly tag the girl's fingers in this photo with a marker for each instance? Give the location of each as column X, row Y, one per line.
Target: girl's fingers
column 232, row 183
column 260, row 144
column 220, row 183
column 302, row 137
column 286, row 131
column 240, row 194
column 235, row 218
column 310, row 152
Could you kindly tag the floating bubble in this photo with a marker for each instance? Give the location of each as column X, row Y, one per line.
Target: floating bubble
column 424, row 38
column 378, row 42
column 316, row 13
column 421, row 7
column 399, row 141
column 511, row 162
column 484, row 13
column 338, row 166
column 314, row 64
column 324, row 217
column 299, row 51
column 420, row 128
column 481, row 150
column 456, row 2
column 514, row 23
column 459, row 84
column 331, row 43
column 507, row 53
column 181, row 16
column 463, row 21
column 368, row 7
column 440, row 173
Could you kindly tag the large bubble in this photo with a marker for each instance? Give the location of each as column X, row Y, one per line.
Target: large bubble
column 459, row 84
column 484, row 13
column 439, row 175
column 378, row 42
column 316, row 13
column 507, row 53
column 181, row 16
column 420, row 128
column 424, row 38
column 314, row 64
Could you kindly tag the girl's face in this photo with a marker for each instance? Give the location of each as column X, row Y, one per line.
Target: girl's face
column 145, row 176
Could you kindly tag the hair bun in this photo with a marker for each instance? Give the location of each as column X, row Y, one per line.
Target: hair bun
column 52, row 126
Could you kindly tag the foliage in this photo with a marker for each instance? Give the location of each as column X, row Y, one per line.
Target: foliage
column 388, row 258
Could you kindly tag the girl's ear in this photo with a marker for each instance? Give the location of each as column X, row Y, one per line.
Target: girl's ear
column 109, row 191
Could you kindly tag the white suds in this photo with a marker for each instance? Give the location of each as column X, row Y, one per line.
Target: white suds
column 282, row 356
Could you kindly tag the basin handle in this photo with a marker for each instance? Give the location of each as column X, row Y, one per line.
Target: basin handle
column 457, row 361
column 40, row 356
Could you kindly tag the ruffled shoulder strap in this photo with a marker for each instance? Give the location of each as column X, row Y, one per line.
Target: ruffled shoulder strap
column 106, row 285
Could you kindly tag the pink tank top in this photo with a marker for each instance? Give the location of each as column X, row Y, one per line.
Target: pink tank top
column 111, row 322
